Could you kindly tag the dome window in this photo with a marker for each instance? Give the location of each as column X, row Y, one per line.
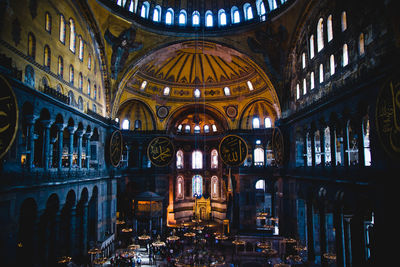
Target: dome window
column 166, row 91
column 209, row 18
column 250, row 85
column 227, row 91
column 256, row 123
column 182, row 18
column 125, row 124
column 235, row 15
column 248, row 11
column 197, row 93
column 196, row 18
column 157, row 14
column 206, row 128
column 197, row 129
column 221, row 17
column 143, row 85
column 169, row 17
column 214, row 128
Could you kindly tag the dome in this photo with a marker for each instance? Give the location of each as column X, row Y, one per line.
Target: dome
column 135, row 115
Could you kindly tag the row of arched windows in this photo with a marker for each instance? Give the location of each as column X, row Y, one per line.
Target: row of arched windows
column 186, row 128
column 197, row 159
column 235, row 15
column 197, row 187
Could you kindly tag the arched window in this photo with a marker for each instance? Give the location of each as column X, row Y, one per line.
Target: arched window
column 366, row 142
column 214, row 159
column 89, row 62
column 80, row 81
column 72, row 35
column 60, row 69
column 320, row 34
column 321, row 73
column 29, row 76
column 94, row 108
column 345, row 59
column 221, row 17
column 206, row 128
column 197, row 186
column 312, row 80
column 256, row 123
column 179, row 129
column 71, row 74
column 297, row 91
column 270, row 154
column 267, row 122
column 327, row 146
column 197, row 129
column 71, row 98
column 311, row 46
column 157, row 14
column 272, row 4
column 179, row 159
column 309, row 149
column 144, row 11
column 260, row 7
column 344, row 21
column 303, row 60
column 214, row 187
column 169, row 16
column 197, row 93
column 209, row 18
column 88, row 88
column 304, row 86
column 196, row 18
column 332, row 64
column 329, row 28
column 235, row 15
column 197, row 159
column 125, row 124
column 94, row 91
column 182, row 18
column 138, row 124
column 31, row 45
column 143, row 85
column 317, row 147
column 299, row 149
column 260, row 184
column 179, row 187
column 352, row 145
column 166, row 91
column 250, row 85
column 132, row 6
column 81, row 45
column 187, row 128
column 361, row 44
column 47, row 56
column 227, row 91
column 258, row 156
column 214, row 128
column 80, row 103
column 62, row 29
column 45, row 82
column 248, row 11
column 47, row 23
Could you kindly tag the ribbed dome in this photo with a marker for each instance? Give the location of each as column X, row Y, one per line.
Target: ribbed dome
column 259, row 109
column 138, row 114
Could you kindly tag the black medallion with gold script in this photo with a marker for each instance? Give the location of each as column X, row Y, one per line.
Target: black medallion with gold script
column 160, row 151
column 116, row 148
column 8, row 116
column 388, row 116
column 233, row 150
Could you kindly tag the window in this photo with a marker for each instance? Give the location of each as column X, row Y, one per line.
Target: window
column 179, row 159
column 332, row 64
column 196, row 129
column 297, row 91
column 327, row 146
column 303, row 60
column 321, row 73
column 138, row 124
column 206, row 128
column 31, row 45
column 80, row 48
column 179, row 129
column 187, row 128
column 214, row 187
column 304, row 86
column 209, row 18
column 166, row 91
column 179, row 187
column 47, row 56
column 267, row 122
column 311, row 46
column 345, row 59
column 196, row 18
column 248, row 11
column 157, row 14
column 256, row 123
column 62, row 29
column 330, row 28
column 272, row 4
column 227, row 91
column 72, row 35
column 366, row 142
column 197, row 186
column 214, row 128
column 361, row 44
column 80, row 103
column 29, row 78
column 214, row 159
column 221, row 17
column 258, row 156
column 260, row 184
column 143, row 85
column 260, row 7
column 80, row 81
column 320, row 34
column 235, row 15
column 344, row 21
column 71, row 74
column 47, row 23
column 94, row 108
column 312, row 80
column 197, row 93
column 125, row 124
column 317, row 147
column 144, row 11
column 60, row 69
column 169, row 16
column 352, row 145
column 95, row 94
column 131, row 6
column 250, row 85
column 182, row 18
column 89, row 63
column 197, row 160
column 309, row 149
column 88, row 88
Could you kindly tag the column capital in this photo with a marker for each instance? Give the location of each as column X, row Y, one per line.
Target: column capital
column 60, row 126
column 46, row 123
column 87, row 135
column 31, row 119
column 79, row 133
column 71, row 129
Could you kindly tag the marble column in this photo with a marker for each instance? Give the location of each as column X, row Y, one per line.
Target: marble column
column 339, row 235
column 30, row 120
column 60, row 133
column 46, row 160
column 51, row 152
column 72, row 231
column 80, row 136
column 71, row 131
column 87, row 139
column 85, row 228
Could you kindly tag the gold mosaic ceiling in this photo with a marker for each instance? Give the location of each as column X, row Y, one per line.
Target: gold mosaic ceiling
column 191, row 65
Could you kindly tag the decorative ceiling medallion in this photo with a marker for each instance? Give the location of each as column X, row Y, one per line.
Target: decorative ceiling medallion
column 160, row 151
column 162, row 112
column 233, row 150
column 231, row 111
column 8, row 116
column 277, row 146
column 387, row 116
column 116, row 148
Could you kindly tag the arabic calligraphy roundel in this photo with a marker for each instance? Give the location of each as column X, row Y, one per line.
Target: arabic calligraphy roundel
column 233, row 150
column 116, row 148
column 160, row 151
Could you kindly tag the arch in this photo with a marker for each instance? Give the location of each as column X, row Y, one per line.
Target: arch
column 248, row 11
column 157, row 14
column 182, row 19
column 260, row 109
column 195, row 18
column 144, row 11
column 169, row 16
column 26, row 232
column 137, row 110
column 197, row 185
column 222, row 19
column 235, row 15
column 209, row 19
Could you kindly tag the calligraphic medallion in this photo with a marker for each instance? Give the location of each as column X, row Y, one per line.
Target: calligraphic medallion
column 387, row 115
column 160, row 151
column 233, row 150
column 277, row 146
column 116, row 148
column 8, row 116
